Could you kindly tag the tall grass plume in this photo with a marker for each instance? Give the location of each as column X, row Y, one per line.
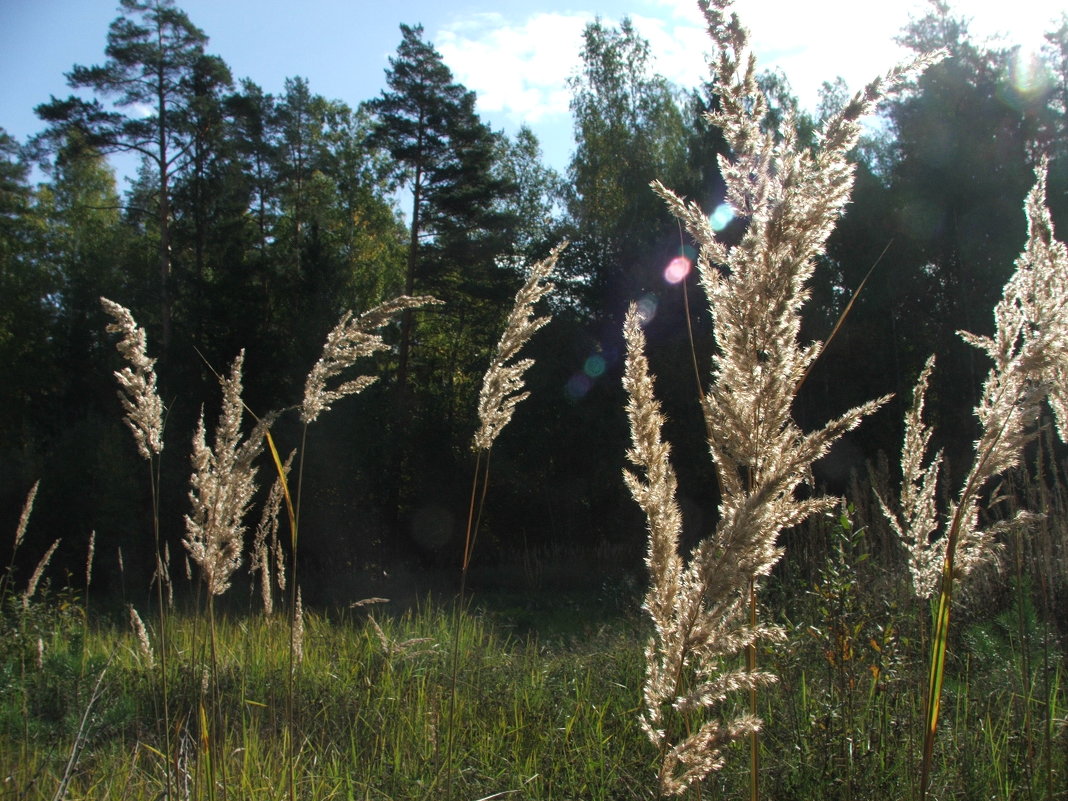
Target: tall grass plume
column 221, row 488
column 502, row 384
column 1029, row 351
column 137, row 381
column 790, row 197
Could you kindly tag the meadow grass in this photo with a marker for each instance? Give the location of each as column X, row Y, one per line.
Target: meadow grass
column 550, row 720
column 449, row 700
column 549, row 715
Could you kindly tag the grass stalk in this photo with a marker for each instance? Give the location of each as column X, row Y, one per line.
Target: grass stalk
column 294, row 528
column 161, row 611
column 751, row 667
column 939, row 645
column 79, row 740
column 474, row 518
column 1023, row 603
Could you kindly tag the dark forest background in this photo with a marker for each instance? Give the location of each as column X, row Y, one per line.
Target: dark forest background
column 257, row 220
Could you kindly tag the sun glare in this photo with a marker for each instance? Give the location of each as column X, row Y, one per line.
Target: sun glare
column 721, row 217
column 677, row 270
column 646, row 309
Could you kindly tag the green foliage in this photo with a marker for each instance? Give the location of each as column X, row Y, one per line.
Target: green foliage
column 25, row 284
column 156, row 60
column 848, row 668
column 629, row 130
column 550, row 715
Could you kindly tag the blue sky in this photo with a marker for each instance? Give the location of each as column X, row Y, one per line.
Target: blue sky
column 516, row 54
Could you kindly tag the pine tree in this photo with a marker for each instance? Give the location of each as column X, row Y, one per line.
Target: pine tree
column 447, row 158
column 445, row 155
column 26, row 317
column 153, row 51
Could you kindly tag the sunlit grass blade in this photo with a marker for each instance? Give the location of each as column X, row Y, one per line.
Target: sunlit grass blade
column 936, row 674
column 290, row 508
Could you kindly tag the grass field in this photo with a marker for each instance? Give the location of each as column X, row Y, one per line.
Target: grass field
column 802, row 649
column 547, row 699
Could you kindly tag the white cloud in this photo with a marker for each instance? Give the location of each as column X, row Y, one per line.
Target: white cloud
column 521, row 69
column 518, row 69
column 680, row 47
column 855, row 39
column 519, row 66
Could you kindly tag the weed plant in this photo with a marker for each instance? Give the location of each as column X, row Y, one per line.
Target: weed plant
column 828, row 654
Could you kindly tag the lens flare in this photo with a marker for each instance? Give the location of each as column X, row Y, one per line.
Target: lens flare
column 1030, row 78
column 677, row 270
column 594, row 366
column 721, row 217
column 577, row 386
column 646, row 310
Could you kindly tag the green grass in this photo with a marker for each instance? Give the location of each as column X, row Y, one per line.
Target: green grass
column 549, row 721
column 551, row 714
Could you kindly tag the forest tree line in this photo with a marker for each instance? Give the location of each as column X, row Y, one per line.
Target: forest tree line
column 256, row 220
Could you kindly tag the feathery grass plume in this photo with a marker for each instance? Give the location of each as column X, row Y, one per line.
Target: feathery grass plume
column 166, row 572
column 141, row 632
column 919, row 504
column 266, row 540
column 279, row 565
column 144, row 417
column 221, row 487
column 1029, row 349
column 697, row 608
column 403, row 649
column 1030, row 354
column 137, row 382
column 35, row 579
column 90, row 552
column 296, row 634
column 24, row 516
column 791, row 198
column 501, row 385
column 20, row 534
column 351, row 339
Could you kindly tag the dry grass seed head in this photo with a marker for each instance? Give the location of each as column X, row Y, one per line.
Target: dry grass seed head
column 297, row 631
column 137, row 381
column 919, row 502
column 35, row 579
column 503, row 382
column 266, row 539
column 89, row 559
column 351, row 339
column 791, row 198
column 1029, row 351
column 139, row 630
column 222, row 486
column 1030, row 354
column 24, row 516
